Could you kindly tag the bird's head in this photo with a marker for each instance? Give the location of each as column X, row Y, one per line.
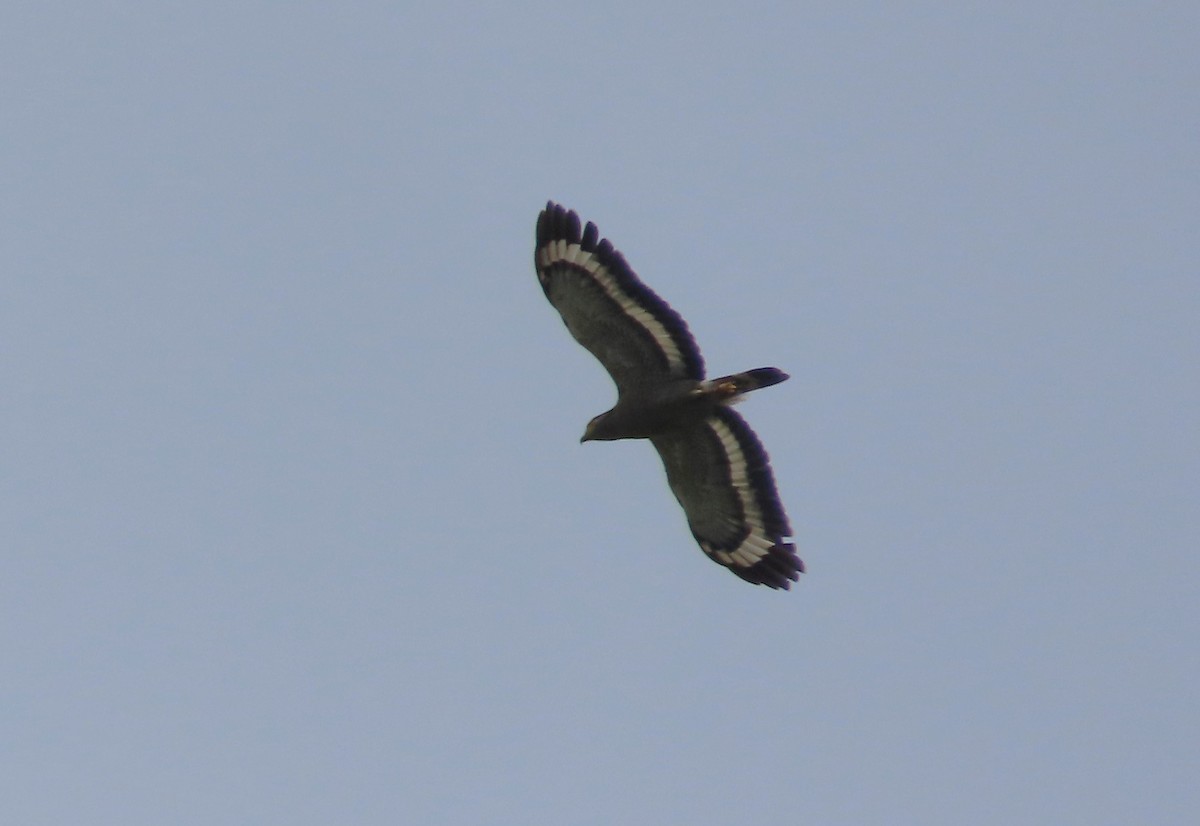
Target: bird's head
column 596, row 430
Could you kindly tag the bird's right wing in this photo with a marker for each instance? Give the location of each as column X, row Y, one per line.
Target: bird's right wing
column 720, row 474
column 636, row 336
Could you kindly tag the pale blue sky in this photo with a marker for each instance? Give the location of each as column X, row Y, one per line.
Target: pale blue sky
column 296, row 526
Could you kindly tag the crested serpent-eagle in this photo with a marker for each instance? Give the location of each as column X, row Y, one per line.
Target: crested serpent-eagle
column 716, row 466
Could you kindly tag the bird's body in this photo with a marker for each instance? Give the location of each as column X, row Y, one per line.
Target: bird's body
column 648, row 411
column 715, row 465
column 643, row 415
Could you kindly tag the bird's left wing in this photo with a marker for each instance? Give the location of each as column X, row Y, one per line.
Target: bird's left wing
column 638, row 338
column 720, row 474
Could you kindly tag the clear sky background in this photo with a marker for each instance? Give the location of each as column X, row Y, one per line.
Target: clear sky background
column 295, row 524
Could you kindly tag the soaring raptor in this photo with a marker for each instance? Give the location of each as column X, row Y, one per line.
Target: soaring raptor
column 716, row 466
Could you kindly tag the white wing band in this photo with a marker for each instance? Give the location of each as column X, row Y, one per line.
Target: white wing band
column 573, row 254
column 757, row 543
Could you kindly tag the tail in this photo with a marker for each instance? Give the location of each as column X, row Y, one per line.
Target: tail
column 729, row 389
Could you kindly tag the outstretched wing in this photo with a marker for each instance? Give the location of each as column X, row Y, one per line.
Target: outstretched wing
column 720, row 474
column 636, row 336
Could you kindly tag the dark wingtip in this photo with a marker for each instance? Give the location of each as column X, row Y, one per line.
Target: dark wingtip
column 556, row 222
column 778, row 569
